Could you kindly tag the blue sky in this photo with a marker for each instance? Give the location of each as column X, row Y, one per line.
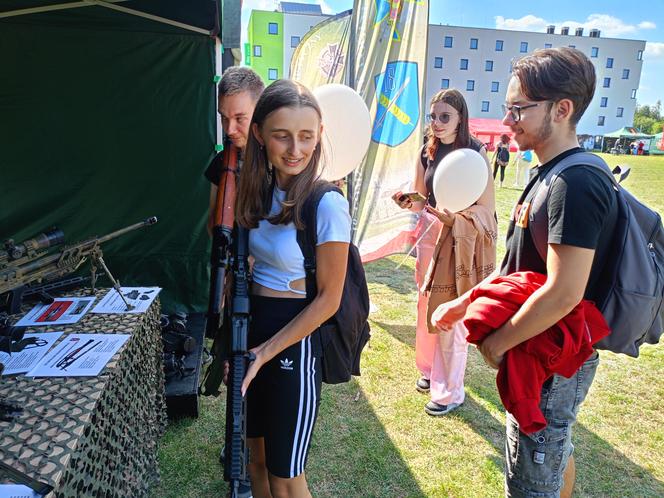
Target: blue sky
column 614, row 18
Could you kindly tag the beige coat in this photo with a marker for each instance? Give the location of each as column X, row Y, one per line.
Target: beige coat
column 464, row 255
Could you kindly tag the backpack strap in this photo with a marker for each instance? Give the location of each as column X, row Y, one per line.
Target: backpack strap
column 538, row 217
column 307, row 239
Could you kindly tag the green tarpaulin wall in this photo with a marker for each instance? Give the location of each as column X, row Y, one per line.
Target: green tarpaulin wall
column 106, row 119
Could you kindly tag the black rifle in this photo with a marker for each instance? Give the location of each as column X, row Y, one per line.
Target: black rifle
column 237, row 455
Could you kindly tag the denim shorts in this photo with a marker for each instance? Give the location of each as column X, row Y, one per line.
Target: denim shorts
column 535, row 462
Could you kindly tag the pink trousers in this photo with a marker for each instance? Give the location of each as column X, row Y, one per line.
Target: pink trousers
column 441, row 358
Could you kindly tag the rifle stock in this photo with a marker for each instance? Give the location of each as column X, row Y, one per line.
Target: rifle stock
column 220, row 255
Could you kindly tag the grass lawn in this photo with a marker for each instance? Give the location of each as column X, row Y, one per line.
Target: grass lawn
column 373, row 438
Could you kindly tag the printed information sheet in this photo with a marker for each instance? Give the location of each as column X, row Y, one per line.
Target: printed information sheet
column 79, row 355
column 140, row 298
column 62, row 311
column 17, row 491
column 33, row 348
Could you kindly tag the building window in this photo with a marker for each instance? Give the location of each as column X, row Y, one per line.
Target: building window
column 444, row 83
column 448, row 41
column 438, row 62
column 499, row 45
column 619, row 114
column 634, row 93
column 258, row 51
column 272, row 28
column 547, row 45
column 594, row 51
column 488, row 66
column 272, row 74
column 463, row 64
column 495, row 86
column 294, row 41
column 524, row 47
column 600, row 120
column 485, row 106
column 470, row 85
column 473, row 43
column 607, row 83
column 609, row 62
column 625, row 74
column 604, row 102
column 639, row 55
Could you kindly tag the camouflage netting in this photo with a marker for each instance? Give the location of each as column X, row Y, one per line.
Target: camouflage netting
column 93, row 436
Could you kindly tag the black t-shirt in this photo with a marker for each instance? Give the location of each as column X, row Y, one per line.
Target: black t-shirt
column 582, row 209
column 430, row 166
column 213, row 171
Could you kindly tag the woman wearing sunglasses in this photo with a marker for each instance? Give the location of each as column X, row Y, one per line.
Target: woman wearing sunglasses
column 441, row 358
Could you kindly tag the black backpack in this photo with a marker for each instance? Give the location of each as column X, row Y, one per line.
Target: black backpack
column 504, row 154
column 631, row 289
column 346, row 333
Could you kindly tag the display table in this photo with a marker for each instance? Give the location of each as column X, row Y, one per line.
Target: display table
column 92, row 436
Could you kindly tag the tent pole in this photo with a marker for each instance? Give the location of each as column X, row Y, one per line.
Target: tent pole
column 152, row 17
column 47, row 8
column 109, row 4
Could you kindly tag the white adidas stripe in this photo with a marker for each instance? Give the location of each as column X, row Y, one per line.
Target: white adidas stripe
column 299, row 412
column 310, row 409
column 312, row 384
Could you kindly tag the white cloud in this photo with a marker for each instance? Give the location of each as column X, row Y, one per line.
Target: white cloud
column 325, row 7
column 249, row 5
column 526, row 23
column 654, row 50
column 609, row 25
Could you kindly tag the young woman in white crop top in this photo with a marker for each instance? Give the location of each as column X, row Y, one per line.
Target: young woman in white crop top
column 283, row 384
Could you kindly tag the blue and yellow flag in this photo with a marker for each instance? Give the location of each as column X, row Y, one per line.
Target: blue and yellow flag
column 388, row 52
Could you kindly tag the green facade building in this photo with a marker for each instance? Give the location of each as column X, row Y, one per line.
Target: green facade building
column 264, row 52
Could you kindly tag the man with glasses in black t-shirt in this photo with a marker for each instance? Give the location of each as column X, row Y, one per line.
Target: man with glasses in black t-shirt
column 546, row 97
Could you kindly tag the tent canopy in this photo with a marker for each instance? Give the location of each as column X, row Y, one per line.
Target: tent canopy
column 489, row 131
column 108, row 117
column 627, row 132
column 201, row 16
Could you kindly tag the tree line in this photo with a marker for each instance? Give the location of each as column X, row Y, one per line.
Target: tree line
column 648, row 118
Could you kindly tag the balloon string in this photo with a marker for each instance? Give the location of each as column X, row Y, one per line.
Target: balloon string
column 415, row 245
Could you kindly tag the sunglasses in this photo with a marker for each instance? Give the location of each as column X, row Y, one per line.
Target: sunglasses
column 442, row 118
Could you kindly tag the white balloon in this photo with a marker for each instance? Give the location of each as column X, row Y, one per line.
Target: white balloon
column 459, row 180
column 346, row 129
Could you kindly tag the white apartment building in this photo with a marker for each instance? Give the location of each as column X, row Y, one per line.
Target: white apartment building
column 477, row 61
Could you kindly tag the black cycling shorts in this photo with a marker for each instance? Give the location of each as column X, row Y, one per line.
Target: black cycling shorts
column 284, row 397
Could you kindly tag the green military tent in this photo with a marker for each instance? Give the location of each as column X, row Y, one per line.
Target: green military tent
column 627, row 132
column 108, row 116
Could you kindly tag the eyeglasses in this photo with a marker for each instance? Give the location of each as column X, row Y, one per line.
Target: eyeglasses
column 442, row 118
column 515, row 110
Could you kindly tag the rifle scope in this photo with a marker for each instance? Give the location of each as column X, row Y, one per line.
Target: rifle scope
column 52, row 238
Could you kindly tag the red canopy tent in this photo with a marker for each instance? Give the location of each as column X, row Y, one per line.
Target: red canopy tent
column 489, row 131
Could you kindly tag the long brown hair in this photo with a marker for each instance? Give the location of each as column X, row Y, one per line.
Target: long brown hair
column 453, row 97
column 257, row 178
column 558, row 73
